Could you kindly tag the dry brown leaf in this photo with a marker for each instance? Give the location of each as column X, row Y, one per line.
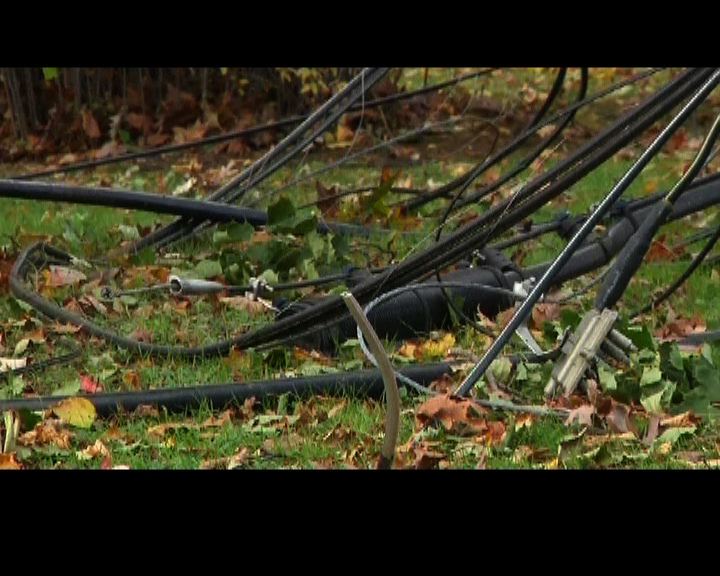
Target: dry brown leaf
column 598, row 440
column 426, row 458
column 457, row 415
column 337, row 409
column 582, row 415
column 9, row 462
column 223, row 419
column 94, row 451
column 545, row 312
column 243, row 303
column 160, row 430
column 408, row 350
column 619, row 418
column 57, row 276
column 684, row 420
column 47, row 432
column 681, row 327
column 237, row 460
column 58, row 328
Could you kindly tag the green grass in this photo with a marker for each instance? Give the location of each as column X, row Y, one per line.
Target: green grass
column 353, row 435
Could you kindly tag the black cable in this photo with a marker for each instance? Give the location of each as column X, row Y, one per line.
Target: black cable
column 156, row 203
column 632, row 255
column 358, row 383
column 556, row 88
column 587, row 258
column 546, row 280
column 235, row 134
column 465, row 239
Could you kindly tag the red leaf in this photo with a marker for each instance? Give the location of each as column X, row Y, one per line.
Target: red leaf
column 89, row 386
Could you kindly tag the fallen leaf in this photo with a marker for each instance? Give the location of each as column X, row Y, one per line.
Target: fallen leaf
column 58, row 328
column 160, row 430
column 408, row 350
column 57, row 276
column 684, row 420
column 681, row 327
column 47, row 432
column 96, row 450
column 457, row 415
column 582, row 414
column 426, row 458
column 88, row 385
column 545, row 312
column 79, row 412
column 243, row 303
column 337, row 409
column 238, row 460
column 223, row 419
column 9, row 462
column 619, row 418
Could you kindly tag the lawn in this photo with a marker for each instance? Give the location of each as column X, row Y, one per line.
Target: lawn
column 340, row 432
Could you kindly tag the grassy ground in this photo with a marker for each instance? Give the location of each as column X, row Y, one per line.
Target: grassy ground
column 319, row 432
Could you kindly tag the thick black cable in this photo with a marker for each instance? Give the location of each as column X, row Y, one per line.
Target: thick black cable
column 464, row 240
column 358, row 383
column 156, row 203
column 449, row 250
column 547, row 279
column 587, row 258
column 632, row 255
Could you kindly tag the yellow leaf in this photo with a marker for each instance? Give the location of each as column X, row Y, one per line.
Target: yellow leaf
column 77, row 411
column 438, row 348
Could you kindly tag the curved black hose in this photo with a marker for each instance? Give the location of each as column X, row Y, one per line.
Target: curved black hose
column 434, row 310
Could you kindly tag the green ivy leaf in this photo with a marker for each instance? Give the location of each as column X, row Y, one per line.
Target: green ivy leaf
column 280, row 211
column 650, row 375
column 607, row 378
column 207, row 269
column 672, row 435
